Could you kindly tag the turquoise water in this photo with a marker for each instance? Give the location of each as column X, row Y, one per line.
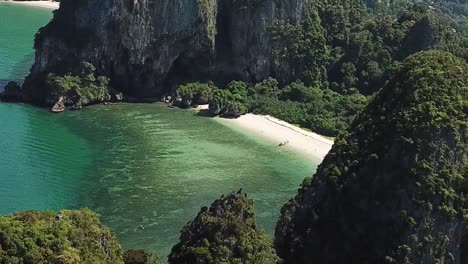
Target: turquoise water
column 18, row 24
column 157, row 166
column 139, row 164
column 38, row 161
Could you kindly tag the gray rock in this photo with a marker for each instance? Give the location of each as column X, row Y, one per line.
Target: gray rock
column 177, row 101
column 119, row 97
column 59, row 106
column 185, row 102
column 148, row 47
column 12, row 92
column 215, row 108
column 77, row 106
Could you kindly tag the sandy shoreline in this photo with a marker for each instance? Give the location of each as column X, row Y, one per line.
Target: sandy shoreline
column 310, row 144
column 43, row 4
column 277, row 131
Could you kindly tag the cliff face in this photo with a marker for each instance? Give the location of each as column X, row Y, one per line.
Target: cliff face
column 393, row 189
column 146, row 47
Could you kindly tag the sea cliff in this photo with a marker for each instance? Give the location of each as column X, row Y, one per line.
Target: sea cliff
column 146, row 47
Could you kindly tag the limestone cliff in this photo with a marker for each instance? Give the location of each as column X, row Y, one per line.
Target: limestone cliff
column 393, row 189
column 226, row 232
column 146, row 47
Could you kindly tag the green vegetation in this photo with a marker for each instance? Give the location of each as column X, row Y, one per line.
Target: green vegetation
column 392, row 190
column 224, row 233
column 339, row 54
column 83, row 87
column 300, row 52
column 321, row 110
column 195, row 93
column 230, row 101
column 208, row 10
column 67, row 237
column 340, row 47
column 402, row 163
column 139, row 256
column 328, row 64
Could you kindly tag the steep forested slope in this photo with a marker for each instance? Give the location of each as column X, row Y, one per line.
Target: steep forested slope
column 394, row 187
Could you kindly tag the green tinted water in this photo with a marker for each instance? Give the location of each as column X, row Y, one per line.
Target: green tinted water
column 40, row 160
column 157, row 166
column 134, row 164
column 18, row 24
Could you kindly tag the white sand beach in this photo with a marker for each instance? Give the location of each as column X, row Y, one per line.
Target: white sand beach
column 278, row 131
column 43, row 4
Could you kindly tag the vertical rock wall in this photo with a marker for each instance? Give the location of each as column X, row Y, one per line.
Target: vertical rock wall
column 147, row 47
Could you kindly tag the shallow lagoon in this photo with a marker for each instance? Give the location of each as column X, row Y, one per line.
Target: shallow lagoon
column 136, row 164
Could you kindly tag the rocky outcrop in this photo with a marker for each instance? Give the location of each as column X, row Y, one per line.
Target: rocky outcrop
column 225, row 232
column 59, row 106
column 393, row 189
column 425, row 34
column 12, row 92
column 146, row 47
column 77, row 89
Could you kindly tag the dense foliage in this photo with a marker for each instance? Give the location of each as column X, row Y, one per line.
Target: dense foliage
column 224, row 233
column 341, row 47
column 300, row 52
column 81, row 87
column 230, row 101
column 341, row 53
column 67, row 237
column 401, row 165
column 195, row 93
column 392, row 190
column 321, row 110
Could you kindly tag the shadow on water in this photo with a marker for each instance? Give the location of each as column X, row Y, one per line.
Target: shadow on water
column 19, row 70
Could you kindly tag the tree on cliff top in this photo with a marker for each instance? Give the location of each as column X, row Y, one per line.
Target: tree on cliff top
column 65, row 238
column 394, row 187
column 224, row 233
